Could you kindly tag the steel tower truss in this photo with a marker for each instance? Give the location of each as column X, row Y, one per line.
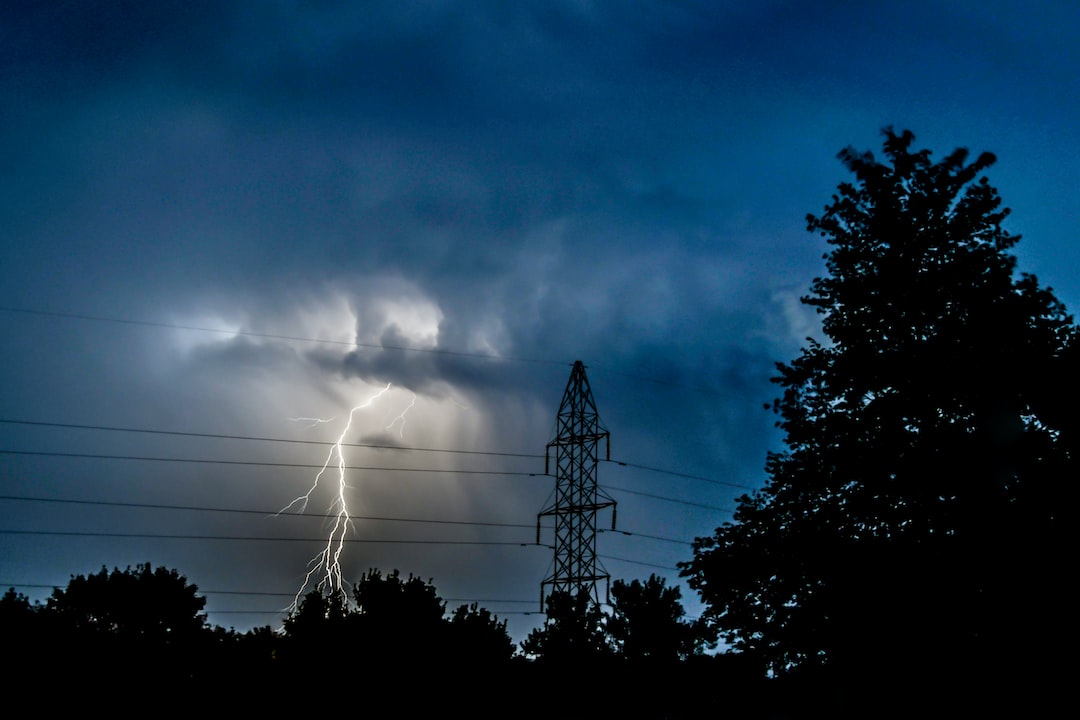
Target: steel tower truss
column 577, row 497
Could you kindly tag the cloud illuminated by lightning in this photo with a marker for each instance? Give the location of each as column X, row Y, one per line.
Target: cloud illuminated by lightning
column 328, row 562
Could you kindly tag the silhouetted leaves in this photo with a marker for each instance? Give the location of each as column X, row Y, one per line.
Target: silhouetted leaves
column 395, row 625
column 117, row 635
column 20, row 625
column 913, row 530
column 478, row 638
column 574, row 632
column 647, row 622
column 143, row 624
column 140, row 602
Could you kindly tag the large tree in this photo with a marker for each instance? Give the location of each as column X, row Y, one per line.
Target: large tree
column 913, row 527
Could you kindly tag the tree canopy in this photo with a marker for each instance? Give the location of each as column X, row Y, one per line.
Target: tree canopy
column 141, row 624
column 394, row 622
column 140, row 602
column 647, row 622
column 141, row 633
column 913, row 526
column 574, row 631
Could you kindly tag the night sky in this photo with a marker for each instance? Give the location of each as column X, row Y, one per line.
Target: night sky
column 224, row 225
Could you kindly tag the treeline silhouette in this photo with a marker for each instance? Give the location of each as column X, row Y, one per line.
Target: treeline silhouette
column 141, row 633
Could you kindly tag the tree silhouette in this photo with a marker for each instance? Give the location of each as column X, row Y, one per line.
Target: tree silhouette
column 647, row 622
column 20, row 628
column 144, row 624
column 137, row 602
column 398, row 620
column 396, row 634
column 911, row 534
column 478, row 638
column 395, row 623
column 315, row 630
column 574, row 632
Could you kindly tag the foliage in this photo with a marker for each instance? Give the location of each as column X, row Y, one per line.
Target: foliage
column 394, row 630
column 317, row 619
column 395, row 621
column 140, row 602
column 647, row 622
column 143, row 625
column 477, row 637
column 574, row 631
column 396, row 601
column 402, row 617
column 15, row 609
column 19, row 622
column 914, row 526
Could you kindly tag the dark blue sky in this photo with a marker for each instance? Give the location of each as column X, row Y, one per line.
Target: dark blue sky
column 222, row 217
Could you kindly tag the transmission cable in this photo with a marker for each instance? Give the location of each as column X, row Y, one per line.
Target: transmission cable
column 257, row 463
column 322, row 443
column 361, row 541
column 278, row 513
column 217, row 436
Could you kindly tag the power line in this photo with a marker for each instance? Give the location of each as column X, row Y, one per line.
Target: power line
column 265, row 593
column 683, row 475
column 502, row 473
column 165, row 536
column 650, row 537
column 669, row 499
column 149, row 458
column 267, row 513
column 256, row 463
column 637, row 562
column 218, row 436
column 261, row 513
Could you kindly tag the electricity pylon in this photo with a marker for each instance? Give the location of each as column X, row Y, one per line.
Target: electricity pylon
column 577, row 496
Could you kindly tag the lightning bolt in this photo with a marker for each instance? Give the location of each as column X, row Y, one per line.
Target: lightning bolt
column 311, row 422
column 328, row 562
column 401, row 417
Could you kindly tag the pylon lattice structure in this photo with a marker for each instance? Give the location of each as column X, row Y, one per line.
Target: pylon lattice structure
column 577, row 498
